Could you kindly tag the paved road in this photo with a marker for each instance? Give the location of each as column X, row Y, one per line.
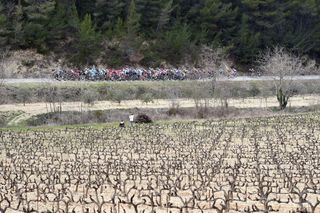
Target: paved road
column 239, row 78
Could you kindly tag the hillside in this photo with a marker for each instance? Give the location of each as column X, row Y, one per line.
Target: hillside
column 116, row 33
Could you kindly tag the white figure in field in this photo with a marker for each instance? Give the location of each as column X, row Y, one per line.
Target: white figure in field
column 122, row 125
column 131, row 118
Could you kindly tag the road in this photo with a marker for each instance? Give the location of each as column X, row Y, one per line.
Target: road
column 239, row 78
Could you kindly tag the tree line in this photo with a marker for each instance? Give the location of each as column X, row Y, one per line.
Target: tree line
column 150, row 32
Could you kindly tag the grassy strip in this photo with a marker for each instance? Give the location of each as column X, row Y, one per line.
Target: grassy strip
column 111, row 118
column 118, row 91
column 303, row 115
column 90, row 125
column 6, row 117
column 61, row 127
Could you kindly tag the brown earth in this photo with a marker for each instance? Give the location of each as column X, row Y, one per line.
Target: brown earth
column 29, row 63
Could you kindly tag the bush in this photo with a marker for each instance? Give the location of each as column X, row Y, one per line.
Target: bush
column 117, row 95
column 38, row 120
column 174, row 110
column 143, row 118
column 28, row 63
column 98, row 114
column 202, row 112
column 254, row 90
column 147, row 98
column 2, row 122
column 90, row 96
column 140, row 91
column 23, row 95
column 54, row 118
column 114, row 58
column 175, row 44
column 88, row 44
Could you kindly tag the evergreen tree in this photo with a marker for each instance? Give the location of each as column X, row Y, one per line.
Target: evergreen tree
column 301, row 31
column 132, row 42
column 187, row 11
column 217, row 19
column 133, row 20
column 3, row 25
column 118, row 30
column 150, row 12
column 89, row 41
column 29, row 23
column 265, row 17
column 107, row 13
column 17, row 38
column 176, row 43
column 63, row 27
column 64, row 21
column 242, row 27
column 35, row 26
column 165, row 14
column 247, row 45
column 85, row 7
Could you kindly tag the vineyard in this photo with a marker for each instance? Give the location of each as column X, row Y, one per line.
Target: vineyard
column 245, row 165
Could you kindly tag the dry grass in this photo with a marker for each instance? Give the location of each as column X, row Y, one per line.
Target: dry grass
column 40, row 108
column 29, row 63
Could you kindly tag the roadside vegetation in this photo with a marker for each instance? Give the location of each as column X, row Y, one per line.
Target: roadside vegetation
column 144, row 91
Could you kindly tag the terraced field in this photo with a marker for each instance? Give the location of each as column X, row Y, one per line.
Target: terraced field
column 247, row 165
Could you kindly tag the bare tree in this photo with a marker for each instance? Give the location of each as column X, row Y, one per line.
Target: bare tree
column 223, row 93
column 211, row 63
column 51, row 96
column 4, row 52
column 3, row 74
column 174, row 107
column 89, row 96
column 284, row 66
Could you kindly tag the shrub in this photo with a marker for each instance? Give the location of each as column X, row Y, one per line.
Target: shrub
column 143, row 118
column 140, row 91
column 202, row 112
column 174, row 44
column 174, row 109
column 28, row 63
column 254, row 90
column 23, row 95
column 2, row 121
column 98, row 115
column 89, row 96
column 147, row 98
column 88, row 45
column 117, row 95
